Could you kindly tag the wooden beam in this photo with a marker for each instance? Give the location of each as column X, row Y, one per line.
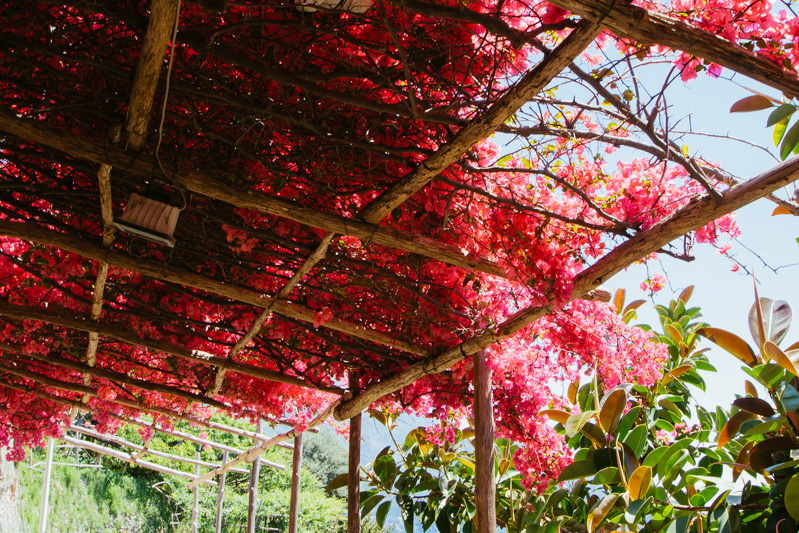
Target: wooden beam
column 127, row 444
column 220, row 498
column 212, row 187
column 627, row 20
column 122, row 334
column 294, row 502
column 102, row 450
column 110, row 375
column 487, row 123
column 133, row 404
column 695, row 215
column 180, row 276
column 485, row 494
column 163, row 15
column 317, row 255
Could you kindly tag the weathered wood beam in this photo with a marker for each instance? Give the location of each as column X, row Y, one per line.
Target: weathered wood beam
column 102, row 450
column 696, row 214
column 133, row 404
column 110, row 375
column 126, row 443
column 124, row 335
column 485, row 489
column 647, row 27
column 484, row 125
column 212, row 187
column 163, row 14
column 180, row 276
column 198, row 440
column 317, row 255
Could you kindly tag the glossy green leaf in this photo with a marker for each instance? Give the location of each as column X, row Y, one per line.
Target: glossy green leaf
column 577, row 470
column 576, row 422
column 381, row 513
column 342, row 480
column 781, row 113
column 792, row 497
column 790, row 141
column 612, row 410
column 636, row 440
column 636, row 510
column 779, row 130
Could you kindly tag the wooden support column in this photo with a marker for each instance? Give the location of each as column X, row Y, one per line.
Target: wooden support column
column 252, row 509
column 354, row 472
column 485, row 486
column 294, row 505
column 220, row 497
column 195, row 506
column 354, row 477
column 48, row 469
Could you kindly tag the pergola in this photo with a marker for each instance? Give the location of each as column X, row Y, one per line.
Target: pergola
column 342, row 238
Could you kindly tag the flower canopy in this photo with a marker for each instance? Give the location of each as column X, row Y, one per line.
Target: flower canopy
column 349, row 231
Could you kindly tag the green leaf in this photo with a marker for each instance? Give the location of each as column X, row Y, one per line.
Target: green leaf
column 342, row 480
column 576, row 422
column 636, row 440
column 792, row 497
column 381, row 513
column 636, row 508
column 370, row 503
column 779, row 130
column 755, row 102
column 680, row 525
column 790, row 141
column 781, row 113
column 577, row 470
column 754, row 405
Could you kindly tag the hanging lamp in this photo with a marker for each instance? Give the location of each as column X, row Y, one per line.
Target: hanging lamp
column 149, row 218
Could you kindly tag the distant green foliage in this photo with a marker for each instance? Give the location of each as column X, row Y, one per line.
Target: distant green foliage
column 90, row 499
column 125, row 497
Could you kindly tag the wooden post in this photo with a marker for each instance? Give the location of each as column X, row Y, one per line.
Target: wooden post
column 252, row 510
column 296, row 464
column 354, row 477
column 195, row 508
column 485, row 486
column 220, row 497
column 48, row 468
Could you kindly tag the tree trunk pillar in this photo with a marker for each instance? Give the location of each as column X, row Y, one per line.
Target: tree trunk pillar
column 220, row 497
column 485, row 486
column 296, row 464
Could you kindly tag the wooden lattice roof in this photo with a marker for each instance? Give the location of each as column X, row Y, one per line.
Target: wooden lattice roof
column 339, row 219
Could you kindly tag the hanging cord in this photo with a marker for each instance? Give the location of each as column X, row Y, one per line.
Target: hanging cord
column 163, row 108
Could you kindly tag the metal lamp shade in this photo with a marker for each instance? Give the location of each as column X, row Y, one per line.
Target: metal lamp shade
column 150, row 219
column 353, row 6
